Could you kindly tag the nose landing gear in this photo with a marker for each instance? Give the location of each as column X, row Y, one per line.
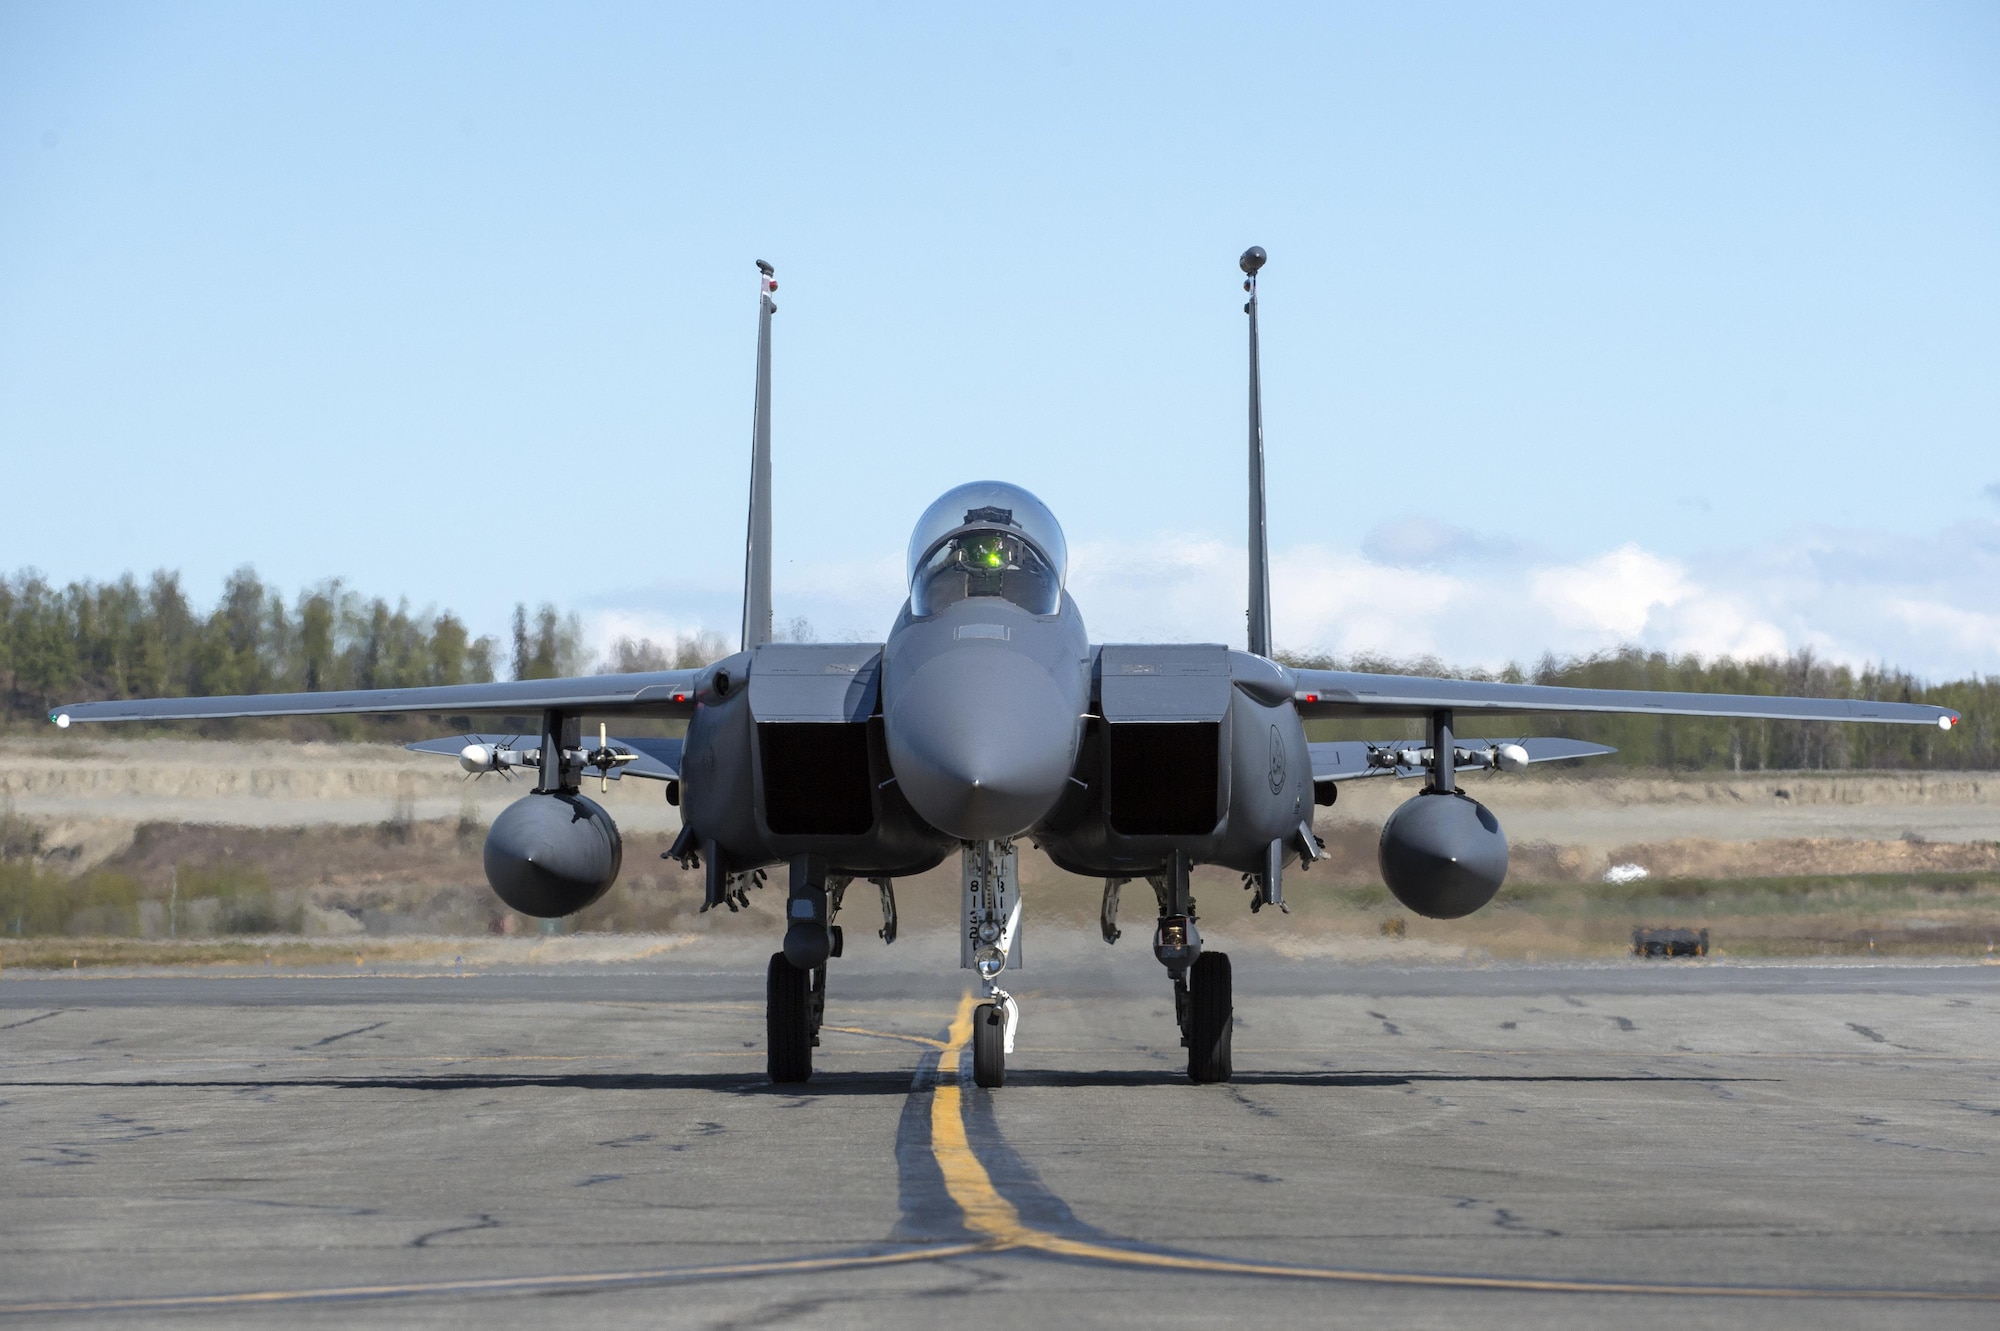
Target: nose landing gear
column 990, row 942
column 992, row 1038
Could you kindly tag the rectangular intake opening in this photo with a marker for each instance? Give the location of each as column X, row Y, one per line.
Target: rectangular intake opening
column 1163, row 778
column 816, row 778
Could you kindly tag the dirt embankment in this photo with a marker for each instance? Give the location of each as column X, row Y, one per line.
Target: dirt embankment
column 88, row 797
column 371, row 840
column 1351, row 856
column 1601, row 815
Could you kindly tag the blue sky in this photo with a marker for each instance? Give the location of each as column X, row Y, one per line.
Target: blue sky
column 1675, row 324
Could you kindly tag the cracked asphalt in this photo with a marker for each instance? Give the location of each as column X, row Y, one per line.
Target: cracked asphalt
column 1424, row 1145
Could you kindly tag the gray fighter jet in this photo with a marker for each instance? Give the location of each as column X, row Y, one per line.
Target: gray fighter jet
column 988, row 716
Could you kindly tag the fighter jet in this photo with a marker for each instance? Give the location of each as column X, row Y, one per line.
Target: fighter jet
column 987, row 717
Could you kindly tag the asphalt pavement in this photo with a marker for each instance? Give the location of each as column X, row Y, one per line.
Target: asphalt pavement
column 1683, row 1144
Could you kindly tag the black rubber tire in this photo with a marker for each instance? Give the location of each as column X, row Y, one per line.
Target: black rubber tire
column 989, row 1046
column 1211, row 1015
column 788, row 1032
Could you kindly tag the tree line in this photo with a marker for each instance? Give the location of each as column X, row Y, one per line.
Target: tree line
column 127, row 639
column 1719, row 744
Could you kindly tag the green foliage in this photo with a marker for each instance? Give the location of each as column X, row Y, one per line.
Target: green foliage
column 120, row 639
column 1718, row 744
column 220, row 899
column 36, row 901
column 90, row 641
column 243, row 901
column 20, row 839
column 552, row 649
column 687, row 651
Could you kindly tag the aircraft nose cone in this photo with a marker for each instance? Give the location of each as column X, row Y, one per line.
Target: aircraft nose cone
column 982, row 742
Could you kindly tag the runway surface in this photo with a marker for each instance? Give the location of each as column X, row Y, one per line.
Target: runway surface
column 1506, row 1145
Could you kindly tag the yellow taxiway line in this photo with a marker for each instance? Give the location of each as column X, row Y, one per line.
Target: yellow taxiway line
column 992, row 1215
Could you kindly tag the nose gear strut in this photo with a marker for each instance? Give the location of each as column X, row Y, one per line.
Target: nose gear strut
column 990, row 942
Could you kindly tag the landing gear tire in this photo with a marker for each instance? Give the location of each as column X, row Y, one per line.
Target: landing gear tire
column 788, row 1025
column 989, row 1045
column 1210, row 1017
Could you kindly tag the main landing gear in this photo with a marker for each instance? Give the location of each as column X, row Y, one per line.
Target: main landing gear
column 1206, row 998
column 795, row 983
column 1203, row 993
column 794, row 1005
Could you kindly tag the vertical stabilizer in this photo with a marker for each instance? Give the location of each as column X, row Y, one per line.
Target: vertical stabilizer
column 757, row 547
column 1260, row 545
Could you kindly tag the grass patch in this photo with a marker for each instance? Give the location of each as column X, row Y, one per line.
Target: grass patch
column 78, row 953
column 221, row 899
column 1852, row 915
column 34, row 901
column 1806, row 891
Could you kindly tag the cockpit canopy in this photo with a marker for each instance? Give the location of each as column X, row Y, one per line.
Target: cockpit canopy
column 987, row 538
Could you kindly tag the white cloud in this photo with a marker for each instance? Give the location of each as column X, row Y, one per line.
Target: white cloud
column 1630, row 595
column 1421, row 542
column 1170, row 587
column 1710, row 625
column 1930, row 604
column 1975, row 631
column 1344, row 604
column 1614, row 594
column 604, row 627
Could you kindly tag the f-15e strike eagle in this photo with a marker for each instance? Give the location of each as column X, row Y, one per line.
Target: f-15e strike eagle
column 988, row 716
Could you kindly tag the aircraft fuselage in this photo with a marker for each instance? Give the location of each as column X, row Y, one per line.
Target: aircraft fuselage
column 984, row 722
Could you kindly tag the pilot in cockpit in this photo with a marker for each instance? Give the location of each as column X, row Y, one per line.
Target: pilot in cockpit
column 1008, row 546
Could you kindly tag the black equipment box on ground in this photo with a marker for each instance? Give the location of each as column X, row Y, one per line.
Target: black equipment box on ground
column 1669, row 942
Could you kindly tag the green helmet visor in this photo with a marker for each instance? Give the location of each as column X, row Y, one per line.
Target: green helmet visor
column 986, row 562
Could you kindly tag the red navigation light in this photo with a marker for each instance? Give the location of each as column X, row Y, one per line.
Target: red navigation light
column 1312, row 697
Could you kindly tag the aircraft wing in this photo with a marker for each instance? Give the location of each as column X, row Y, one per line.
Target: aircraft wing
column 664, row 692
column 1341, row 693
column 1347, row 760
column 658, row 759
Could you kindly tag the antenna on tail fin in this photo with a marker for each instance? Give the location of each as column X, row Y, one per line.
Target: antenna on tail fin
column 1260, row 546
column 757, row 547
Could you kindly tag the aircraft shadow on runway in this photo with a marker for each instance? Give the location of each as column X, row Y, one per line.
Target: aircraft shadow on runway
column 1166, row 1077
column 836, row 1083
column 734, row 1083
